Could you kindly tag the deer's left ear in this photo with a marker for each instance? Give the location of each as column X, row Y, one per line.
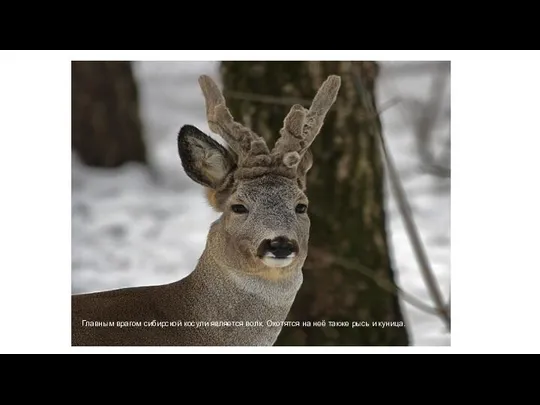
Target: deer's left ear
column 204, row 160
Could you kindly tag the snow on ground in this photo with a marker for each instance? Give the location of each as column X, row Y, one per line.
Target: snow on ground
column 129, row 229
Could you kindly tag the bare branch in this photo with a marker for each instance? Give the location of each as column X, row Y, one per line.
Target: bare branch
column 387, row 285
column 441, row 164
column 438, row 170
column 423, row 118
column 410, row 226
column 413, row 68
column 388, row 104
column 429, row 115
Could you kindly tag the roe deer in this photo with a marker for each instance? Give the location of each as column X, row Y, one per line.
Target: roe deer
column 246, row 280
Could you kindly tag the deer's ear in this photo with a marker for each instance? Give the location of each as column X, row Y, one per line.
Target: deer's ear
column 204, row 160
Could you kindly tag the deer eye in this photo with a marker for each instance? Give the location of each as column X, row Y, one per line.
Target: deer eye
column 239, row 209
column 301, row 208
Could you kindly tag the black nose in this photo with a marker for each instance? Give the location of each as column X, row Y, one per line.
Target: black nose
column 281, row 247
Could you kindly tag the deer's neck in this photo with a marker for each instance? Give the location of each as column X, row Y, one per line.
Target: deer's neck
column 221, row 290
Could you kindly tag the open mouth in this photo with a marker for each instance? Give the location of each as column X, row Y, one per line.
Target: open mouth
column 278, row 252
column 271, row 260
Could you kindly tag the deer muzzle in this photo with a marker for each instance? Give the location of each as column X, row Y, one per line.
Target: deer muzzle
column 278, row 252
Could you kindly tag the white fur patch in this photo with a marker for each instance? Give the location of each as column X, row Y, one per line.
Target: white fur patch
column 272, row 261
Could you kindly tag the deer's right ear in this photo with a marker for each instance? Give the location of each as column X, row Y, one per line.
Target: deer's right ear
column 204, row 160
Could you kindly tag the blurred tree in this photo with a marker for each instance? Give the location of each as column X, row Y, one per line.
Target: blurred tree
column 345, row 187
column 106, row 127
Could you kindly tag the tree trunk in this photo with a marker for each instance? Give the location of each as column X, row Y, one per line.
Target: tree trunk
column 106, row 127
column 348, row 258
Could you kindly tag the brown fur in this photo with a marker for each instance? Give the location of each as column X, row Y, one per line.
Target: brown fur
column 212, row 198
column 259, row 193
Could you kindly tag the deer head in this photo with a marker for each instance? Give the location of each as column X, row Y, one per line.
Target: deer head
column 260, row 192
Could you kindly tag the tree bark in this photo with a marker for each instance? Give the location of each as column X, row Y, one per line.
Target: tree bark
column 106, row 126
column 345, row 189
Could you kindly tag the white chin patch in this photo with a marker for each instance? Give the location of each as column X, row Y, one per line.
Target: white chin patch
column 272, row 261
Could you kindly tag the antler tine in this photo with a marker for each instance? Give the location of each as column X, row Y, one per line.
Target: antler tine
column 220, row 120
column 291, row 138
column 301, row 126
column 322, row 102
